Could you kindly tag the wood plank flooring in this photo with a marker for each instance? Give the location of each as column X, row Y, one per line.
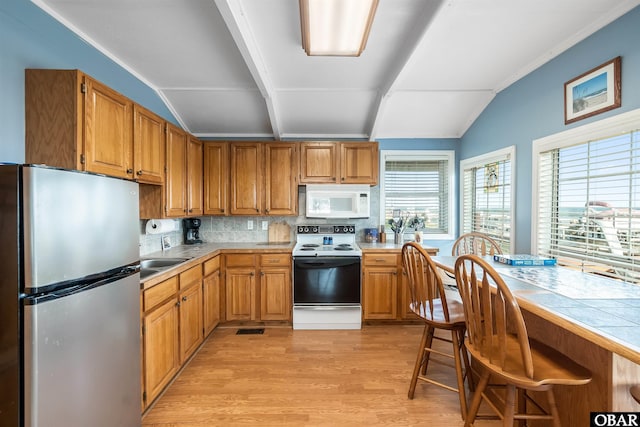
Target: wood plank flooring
column 306, row 378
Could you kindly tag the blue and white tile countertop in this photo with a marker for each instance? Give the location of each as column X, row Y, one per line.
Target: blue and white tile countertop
column 602, row 310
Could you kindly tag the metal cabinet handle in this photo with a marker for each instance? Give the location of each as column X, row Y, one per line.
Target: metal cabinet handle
column 129, row 171
column 139, row 173
column 184, row 298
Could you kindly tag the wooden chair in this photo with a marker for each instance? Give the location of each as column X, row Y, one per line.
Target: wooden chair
column 497, row 339
column 429, row 302
column 475, row 243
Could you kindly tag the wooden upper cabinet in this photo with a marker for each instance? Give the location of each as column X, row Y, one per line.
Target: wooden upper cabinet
column 107, row 130
column 148, row 146
column 281, row 173
column 339, row 162
column 216, row 178
column 359, row 163
column 75, row 122
column 319, row 162
column 246, row 178
column 194, row 177
column 176, row 180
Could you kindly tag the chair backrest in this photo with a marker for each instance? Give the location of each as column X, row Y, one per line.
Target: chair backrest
column 424, row 281
column 475, row 243
column 495, row 325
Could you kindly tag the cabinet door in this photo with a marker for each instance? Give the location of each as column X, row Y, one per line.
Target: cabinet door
column 194, row 177
column 211, row 301
column 275, row 294
column 161, row 354
column 359, row 163
column 176, row 181
column 281, row 173
column 240, row 294
column 108, row 136
column 319, row 162
column 216, row 178
column 246, row 178
column 148, row 144
column 380, row 293
column 191, row 331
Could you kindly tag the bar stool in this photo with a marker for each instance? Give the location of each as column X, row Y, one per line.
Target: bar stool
column 498, row 340
column 635, row 392
column 475, row 243
column 429, row 302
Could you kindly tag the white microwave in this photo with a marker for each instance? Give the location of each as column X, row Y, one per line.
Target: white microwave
column 338, row 201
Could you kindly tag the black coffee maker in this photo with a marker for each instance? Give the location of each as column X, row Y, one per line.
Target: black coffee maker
column 191, row 228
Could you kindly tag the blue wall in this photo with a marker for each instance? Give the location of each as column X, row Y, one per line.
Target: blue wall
column 30, row 38
column 533, row 107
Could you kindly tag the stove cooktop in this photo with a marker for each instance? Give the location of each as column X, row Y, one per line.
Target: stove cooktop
column 326, row 240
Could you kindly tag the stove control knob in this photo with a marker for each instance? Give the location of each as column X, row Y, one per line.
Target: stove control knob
column 300, row 229
column 314, row 229
column 351, row 230
column 345, row 229
column 306, row 229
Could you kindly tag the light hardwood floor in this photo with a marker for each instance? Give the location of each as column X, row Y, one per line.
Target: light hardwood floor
column 306, row 378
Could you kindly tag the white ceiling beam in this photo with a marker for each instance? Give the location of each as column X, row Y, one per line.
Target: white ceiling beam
column 402, row 59
column 238, row 25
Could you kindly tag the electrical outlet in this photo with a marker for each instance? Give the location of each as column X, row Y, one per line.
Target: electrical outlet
column 265, row 225
column 250, row 224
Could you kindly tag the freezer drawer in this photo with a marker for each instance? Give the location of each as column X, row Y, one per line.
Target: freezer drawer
column 82, row 358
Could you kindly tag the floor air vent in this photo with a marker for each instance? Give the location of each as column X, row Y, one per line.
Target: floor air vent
column 254, row 331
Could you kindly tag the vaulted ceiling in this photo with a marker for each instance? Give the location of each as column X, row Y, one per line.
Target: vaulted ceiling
column 236, row 68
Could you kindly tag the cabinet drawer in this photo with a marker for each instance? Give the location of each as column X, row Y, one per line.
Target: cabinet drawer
column 244, row 260
column 381, row 259
column 194, row 274
column 211, row 265
column 275, row 259
column 160, row 292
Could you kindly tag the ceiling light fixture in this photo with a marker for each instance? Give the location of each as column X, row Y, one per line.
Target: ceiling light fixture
column 336, row 27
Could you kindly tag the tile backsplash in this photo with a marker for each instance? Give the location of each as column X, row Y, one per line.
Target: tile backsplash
column 235, row 228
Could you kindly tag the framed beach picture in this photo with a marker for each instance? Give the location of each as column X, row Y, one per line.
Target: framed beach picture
column 593, row 92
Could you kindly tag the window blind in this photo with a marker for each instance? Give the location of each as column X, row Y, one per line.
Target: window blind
column 486, row 200
column 418, row 187
column 589, row 206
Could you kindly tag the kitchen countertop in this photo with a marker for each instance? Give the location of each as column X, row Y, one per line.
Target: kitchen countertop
column 200, row 253
column 388, row 247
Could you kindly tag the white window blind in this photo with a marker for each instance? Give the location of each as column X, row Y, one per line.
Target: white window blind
column 589, row 205
column 486, row 198
column 418, row 186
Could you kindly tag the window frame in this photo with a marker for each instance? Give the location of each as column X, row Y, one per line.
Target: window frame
column 601, row 129
column 428, row 155
column 480, row 161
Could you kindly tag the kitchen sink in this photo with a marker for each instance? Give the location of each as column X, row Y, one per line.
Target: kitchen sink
column 150, row 266
column 161, row 262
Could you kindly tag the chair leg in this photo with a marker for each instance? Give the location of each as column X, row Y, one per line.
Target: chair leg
column 509, row 405
column 477, row 399
column 467, row 363
column 455, row 339
column 427, row 354
column 522, row 405
column 418, row 364
column 553, row 408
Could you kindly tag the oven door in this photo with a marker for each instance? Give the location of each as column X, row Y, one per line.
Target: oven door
column 326, row 280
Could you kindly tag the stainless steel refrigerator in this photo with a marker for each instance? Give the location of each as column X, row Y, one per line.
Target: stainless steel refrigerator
column 69, row 299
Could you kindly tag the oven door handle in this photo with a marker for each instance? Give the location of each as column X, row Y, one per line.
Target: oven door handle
column 326, row 262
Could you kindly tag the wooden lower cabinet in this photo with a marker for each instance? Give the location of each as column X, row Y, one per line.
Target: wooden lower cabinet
column 161, row 348
column 211, row 288
column 191, row 330
column 258, row 287
column 380, row 286
column 172, row 320
column 385, row 293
